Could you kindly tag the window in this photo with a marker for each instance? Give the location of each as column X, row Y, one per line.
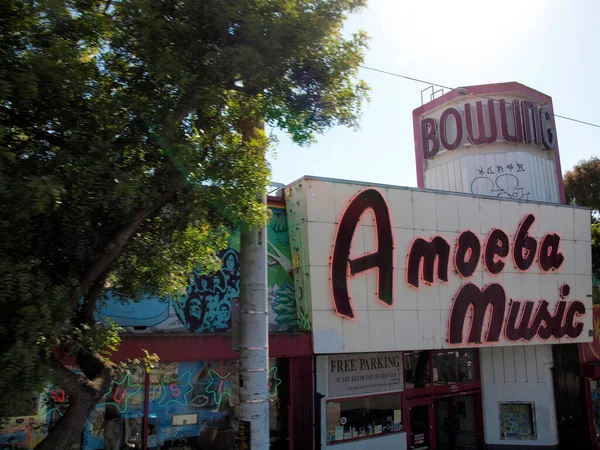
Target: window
column 444, row 367
column 417, row 369
column 362, row 417
column 455, row 366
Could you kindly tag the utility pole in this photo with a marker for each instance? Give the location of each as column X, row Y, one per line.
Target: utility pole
column 254, row 335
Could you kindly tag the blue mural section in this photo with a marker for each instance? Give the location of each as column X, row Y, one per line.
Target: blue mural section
column 206, row 307
column 191, row 405
column 187, row 403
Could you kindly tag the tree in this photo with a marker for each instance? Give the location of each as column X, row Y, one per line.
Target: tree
column 582, row 188
column 130, row 145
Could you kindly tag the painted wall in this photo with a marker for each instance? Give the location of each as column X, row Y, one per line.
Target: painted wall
column 419, row 318
column 187, row 402
column 206, row 307
column 521, row 374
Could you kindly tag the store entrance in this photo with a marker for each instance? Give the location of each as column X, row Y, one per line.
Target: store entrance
column 452, row 422
column 457, row 422
column 421, row 427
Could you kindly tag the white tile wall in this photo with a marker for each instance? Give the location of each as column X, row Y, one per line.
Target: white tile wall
column 424, row 217
column 582, row 225
column 327, row 332
column 405, row 333
column 490, row 216
column 419, row 319
column 356, row 333
column 469, row 215
column 446, row 212
column 320, row 199
column 381, row 331
column 402, row 212
column 429, row 325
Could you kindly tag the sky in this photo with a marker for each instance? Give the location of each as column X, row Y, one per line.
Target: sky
column 550, row 46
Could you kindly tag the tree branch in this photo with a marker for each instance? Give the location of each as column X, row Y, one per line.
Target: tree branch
column 115, row 247
column 87, row 309
column 73, row 384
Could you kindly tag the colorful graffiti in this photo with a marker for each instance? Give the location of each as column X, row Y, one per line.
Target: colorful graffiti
column 31, row 422
column 185, row 401
column 120, row 392
column 280, row 274
column 206, row 306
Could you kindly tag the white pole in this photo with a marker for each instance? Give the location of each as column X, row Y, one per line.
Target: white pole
column 254, row 337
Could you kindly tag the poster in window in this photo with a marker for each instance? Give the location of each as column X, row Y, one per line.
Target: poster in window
column 517, row 420
column 364, row 373
column 461, row 409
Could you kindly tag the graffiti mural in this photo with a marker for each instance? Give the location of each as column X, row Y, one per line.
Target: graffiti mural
column 206, row 306
column 502, row 181
column 282, row 305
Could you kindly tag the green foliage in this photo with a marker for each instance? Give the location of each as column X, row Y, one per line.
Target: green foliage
column 582, row 184
column 131, row 141
column 582, row 188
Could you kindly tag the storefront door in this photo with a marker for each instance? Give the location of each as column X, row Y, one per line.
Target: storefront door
column 457, row 424
column 421, row 426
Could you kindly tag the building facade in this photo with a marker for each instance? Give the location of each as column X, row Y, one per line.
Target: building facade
column 433, row 314
column 453, row 316
column 189, row 400
column 445, row 317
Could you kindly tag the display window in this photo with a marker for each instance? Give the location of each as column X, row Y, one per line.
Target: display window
column 417, row 369
column 433, row 371
column 363, row 417
column 454, row 366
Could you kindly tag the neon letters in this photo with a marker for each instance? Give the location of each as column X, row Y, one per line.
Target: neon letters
column 382, row 259
column 120, row 392
column 428, row 261
column 172, row 389
column 529, row 124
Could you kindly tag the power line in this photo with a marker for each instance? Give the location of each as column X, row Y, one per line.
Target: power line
column 476, row 95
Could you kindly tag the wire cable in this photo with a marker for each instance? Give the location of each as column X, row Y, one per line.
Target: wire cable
column 476, row 95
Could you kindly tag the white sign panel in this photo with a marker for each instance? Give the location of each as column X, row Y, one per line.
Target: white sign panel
column 391, row 269
column 503, row 145
column 361, row 373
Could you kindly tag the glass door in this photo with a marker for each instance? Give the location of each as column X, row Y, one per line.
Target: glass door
column 421, row 429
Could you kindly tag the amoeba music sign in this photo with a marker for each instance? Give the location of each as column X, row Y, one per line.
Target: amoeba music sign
column 409, row 269
column 362, row 373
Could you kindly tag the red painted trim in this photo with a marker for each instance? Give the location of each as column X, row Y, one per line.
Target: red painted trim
column 202, row 347
column 277, row 202
column 590, row 371
column 485, row 89
column 362, row 438
column 290, row 412
column 354, row 397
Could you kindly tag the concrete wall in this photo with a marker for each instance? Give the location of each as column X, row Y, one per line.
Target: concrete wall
column 519, row 374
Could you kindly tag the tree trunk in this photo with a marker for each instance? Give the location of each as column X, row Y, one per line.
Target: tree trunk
column 67, row 431
column 84, row 395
